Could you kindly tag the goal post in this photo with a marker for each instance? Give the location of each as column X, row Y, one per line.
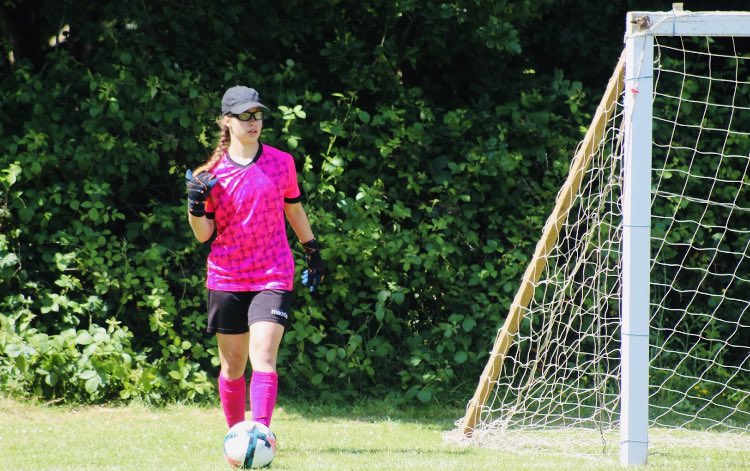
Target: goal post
column 633, row 313
column 636, row 233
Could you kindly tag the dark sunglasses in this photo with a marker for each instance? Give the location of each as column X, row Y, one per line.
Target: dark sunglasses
column 248, row 116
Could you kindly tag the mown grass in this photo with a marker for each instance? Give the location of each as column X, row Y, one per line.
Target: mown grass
column 365, row 436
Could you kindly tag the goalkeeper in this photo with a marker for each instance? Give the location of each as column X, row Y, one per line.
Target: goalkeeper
column 238, row 200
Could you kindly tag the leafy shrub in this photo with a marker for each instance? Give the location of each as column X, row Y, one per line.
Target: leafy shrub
column 422, row 178
column 91, row 365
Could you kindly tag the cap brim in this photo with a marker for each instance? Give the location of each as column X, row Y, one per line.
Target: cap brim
column 242, row 107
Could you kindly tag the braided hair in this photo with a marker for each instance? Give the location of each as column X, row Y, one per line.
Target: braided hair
column 219, row 151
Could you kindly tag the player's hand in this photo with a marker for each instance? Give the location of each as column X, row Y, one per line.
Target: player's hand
column 316, row 271
column 198, row 188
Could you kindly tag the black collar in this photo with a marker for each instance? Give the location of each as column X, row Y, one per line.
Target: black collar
column 255, row 159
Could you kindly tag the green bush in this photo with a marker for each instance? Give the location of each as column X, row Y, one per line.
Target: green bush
column 424, row 170
column 91, row 365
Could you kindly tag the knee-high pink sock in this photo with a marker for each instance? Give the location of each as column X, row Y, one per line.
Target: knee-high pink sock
column 232, row 393
column 263, row 390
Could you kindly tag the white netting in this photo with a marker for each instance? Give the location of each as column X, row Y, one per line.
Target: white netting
column 562, row 370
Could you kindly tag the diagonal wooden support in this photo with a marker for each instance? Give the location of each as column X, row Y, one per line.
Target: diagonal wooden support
column 549, row 237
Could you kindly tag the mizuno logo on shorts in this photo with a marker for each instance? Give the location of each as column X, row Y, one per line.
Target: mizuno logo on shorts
column 279, row 313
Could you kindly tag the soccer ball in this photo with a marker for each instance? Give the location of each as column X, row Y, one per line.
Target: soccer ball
column 249, row 444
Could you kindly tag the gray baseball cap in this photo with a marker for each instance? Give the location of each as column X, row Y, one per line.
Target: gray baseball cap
column 239, row 99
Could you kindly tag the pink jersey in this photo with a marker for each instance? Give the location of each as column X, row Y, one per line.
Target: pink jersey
column 250, row 251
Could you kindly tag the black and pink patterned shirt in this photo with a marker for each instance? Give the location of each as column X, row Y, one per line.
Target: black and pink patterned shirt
column 250, row 251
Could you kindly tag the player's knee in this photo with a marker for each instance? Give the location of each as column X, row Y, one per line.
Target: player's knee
column 233, row 366
column 263, row 360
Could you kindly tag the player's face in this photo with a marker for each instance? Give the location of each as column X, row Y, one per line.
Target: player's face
column 246, row 127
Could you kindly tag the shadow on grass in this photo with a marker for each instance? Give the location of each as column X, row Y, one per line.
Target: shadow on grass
column 405, row 451
column 375, row 410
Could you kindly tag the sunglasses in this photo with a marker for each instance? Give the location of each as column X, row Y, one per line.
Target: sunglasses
column 248, row 116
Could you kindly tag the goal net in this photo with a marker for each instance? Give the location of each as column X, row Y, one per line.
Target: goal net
column 557, row 363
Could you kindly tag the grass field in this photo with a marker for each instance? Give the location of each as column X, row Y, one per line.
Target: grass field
column 368, row 436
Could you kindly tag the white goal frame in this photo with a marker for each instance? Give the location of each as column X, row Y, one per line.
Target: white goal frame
column 637, row 90
column 641, row 28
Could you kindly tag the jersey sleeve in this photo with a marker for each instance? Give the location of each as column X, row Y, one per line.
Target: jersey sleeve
column 292, row 193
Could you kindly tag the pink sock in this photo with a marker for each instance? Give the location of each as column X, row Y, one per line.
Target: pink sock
column 232, row 394
column 263, row 390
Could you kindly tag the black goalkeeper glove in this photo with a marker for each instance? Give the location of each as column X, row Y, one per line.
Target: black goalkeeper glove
column 316, row 271
column 198, row 188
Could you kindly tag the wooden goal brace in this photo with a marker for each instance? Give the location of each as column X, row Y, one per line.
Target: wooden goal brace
column 549, row 237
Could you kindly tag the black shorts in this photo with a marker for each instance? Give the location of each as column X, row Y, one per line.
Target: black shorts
column 232, row 312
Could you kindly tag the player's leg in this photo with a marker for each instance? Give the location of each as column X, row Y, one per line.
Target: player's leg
column 232, row 385
column 268, row 317
column 265, row 338
column 228, row 319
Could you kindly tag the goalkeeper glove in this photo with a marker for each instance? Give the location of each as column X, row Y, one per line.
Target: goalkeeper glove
column 316, row 271
column 198, row 188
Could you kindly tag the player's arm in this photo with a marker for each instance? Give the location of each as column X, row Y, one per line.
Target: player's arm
column 297, row 218
column 203, row 227
column 316, row 270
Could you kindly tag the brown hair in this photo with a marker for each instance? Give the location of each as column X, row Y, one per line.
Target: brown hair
column 221, row 147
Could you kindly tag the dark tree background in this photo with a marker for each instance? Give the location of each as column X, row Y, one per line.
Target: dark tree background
column 430, row 137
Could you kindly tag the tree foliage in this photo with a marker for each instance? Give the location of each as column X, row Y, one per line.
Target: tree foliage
column 430, row 139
